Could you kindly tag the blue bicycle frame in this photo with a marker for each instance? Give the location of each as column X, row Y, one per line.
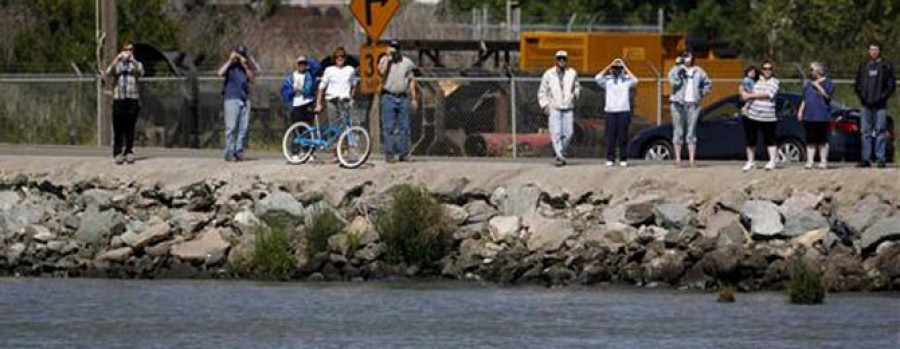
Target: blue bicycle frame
column 325, row 137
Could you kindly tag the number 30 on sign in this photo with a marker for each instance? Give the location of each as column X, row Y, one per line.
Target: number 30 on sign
column 369, row 55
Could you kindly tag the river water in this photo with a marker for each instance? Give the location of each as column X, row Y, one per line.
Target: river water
column 80, row 313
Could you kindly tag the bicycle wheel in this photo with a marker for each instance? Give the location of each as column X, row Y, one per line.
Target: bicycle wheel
column 354, row 147
column 295, row 152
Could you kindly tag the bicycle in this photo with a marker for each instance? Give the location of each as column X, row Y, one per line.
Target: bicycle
column 301, row 140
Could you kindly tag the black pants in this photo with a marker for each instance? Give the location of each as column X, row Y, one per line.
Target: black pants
column 752, row 129
column 303, row 113
column 617, row 135
column 125, row 114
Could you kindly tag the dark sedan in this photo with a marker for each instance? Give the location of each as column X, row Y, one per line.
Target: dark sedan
column 720, row 134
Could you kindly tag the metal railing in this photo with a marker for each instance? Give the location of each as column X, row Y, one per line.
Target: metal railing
column 458, row 116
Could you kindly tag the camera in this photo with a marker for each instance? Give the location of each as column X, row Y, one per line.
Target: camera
column 682, row 73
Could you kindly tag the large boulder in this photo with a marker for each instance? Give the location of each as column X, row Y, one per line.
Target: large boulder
column 8, row 199
column 118, row 255
column 100, row 198
column 803, row 222
column 153, row 234
column 883, row 230
column 210, row 248
column 865, row 213
column 20, row 216
column 667, row 268
column 246, row 222
column 479, row 211
column 613, row 235
column 452, row 190
column 547, row 234
column 635, row 212
column 455, row 215
column 673, row 216
column 504, row 228
column 799, row 203
column 518, row 201
column 96, row 225
column 279, row 203
column 763, row 218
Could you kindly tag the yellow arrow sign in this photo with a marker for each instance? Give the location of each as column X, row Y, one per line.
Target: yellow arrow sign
column 374, row 15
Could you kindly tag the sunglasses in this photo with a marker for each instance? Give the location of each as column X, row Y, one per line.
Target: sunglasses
column 766, row 68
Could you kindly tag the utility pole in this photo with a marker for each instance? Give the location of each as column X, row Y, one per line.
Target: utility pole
column 107, row 40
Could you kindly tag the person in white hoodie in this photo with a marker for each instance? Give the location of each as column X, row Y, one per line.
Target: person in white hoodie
column 690, row 84
column 557, row 95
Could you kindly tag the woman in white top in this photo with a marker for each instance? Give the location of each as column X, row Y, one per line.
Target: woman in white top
column 618, row 81
column 338, row 86
column 762, row 116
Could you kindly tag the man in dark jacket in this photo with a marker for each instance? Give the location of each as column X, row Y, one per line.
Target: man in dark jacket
column 874, row 85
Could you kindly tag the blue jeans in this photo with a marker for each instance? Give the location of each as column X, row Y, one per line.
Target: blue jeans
column 873, row 128
column 395, row 120
column 237, row 118
column 684, row 117
column 561, row 130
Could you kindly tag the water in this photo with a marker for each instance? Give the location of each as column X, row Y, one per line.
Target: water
column 229, row 314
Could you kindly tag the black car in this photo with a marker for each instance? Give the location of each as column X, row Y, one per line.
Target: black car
column 720, row 134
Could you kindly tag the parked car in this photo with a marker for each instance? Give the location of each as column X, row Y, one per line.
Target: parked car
column 720, row 134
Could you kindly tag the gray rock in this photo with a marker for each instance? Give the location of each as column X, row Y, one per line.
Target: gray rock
column 20, row 216
column 666, row 268
column 613, row 236
column 127, row 238
column 452, row 190
column 94, row 225
column 799, row 203
column 803, row 222
column 150, row 236
column 884, row 230
column 479, row 211
column 39, row 233
column 455, row 215
column 246, row 221
column 731, row 200
column 118, row 255
column 673, row 216
column 56, row 246
column 363, row 230
column 8, row 199
column 547, row 234
column 14, row 252
column 189, row 222
column 504, row 228
column 635, row 212
column 731, row 234
column 649, row 233
column 279, row 202
column 99, row 198
column 208, row 248
column 520, row 201
column 865, row 213
column 763, row 218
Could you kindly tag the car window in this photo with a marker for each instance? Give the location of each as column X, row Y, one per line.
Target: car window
column 722, row 111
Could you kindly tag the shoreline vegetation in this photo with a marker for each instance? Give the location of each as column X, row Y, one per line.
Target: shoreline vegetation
column 738, row 240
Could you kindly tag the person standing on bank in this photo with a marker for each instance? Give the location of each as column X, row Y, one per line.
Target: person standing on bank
column 126, row 103
column 304, row 93
column 875, row 83
column 557, row 95
column 238, row 72
column 398, row 94
column 815, row 113
column 338, row 86
column 761, row 116
column 690, row 84
column 618, row 81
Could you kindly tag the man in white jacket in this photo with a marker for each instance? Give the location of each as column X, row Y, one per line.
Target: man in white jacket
column 557, row 95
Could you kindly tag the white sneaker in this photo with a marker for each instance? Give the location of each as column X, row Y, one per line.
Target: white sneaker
column 610, row 164
column 749, row 166
column 623, row 164
column 771, row 165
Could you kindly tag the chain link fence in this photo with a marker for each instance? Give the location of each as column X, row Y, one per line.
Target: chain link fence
column 458, row 116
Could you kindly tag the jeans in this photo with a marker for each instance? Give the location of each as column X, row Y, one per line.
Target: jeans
column 237, row 118
column 617, row 135
column 684, row 116
column 561, row 130
column 874, row 128
column 395, row 123
column 125, row 114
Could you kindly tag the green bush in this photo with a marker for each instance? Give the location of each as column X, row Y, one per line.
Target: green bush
column 806, row 285
column 413, row 228
column 322, row 225
column 273, row 256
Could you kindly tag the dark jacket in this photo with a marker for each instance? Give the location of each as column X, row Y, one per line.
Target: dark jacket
column 875, row 95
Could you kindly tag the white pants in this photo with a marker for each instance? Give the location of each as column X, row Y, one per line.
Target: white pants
column 561, row 130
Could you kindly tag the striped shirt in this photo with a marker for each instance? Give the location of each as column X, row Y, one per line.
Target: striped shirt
column 764, row 109
column 126, row 75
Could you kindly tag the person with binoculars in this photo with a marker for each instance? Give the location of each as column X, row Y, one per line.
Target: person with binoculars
column 690, row 84
column 238, row 71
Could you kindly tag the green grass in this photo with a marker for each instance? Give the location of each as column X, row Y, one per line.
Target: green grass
column 322, row 225
column 806, row 286
column 273, row 255
column 413, row 228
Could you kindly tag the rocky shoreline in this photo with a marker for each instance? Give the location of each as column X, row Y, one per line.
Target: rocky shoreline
column 515, row 234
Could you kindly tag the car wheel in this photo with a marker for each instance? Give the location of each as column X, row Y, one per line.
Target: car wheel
column 658, row 150
column 790, row 151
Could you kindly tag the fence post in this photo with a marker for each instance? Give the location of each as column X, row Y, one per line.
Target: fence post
column 659, row 100
column 512, row 110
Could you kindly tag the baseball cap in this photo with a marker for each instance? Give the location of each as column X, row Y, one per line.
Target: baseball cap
column 301, row 59
column 562, row 54
column 242, row 50
column 395, row 44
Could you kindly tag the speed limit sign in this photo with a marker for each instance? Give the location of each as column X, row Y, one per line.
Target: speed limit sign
column 369, row 55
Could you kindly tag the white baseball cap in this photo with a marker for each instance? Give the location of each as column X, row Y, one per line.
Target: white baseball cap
column 562, row 53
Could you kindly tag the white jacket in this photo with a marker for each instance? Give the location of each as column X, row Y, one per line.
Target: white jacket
column 558, row 96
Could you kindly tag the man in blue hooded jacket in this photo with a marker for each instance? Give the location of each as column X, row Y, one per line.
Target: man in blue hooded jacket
column 304, row 82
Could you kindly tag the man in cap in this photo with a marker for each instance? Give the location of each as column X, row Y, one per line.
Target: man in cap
column 398, row 94
column 557, row 95
column 304, row 93
column 238, row 72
